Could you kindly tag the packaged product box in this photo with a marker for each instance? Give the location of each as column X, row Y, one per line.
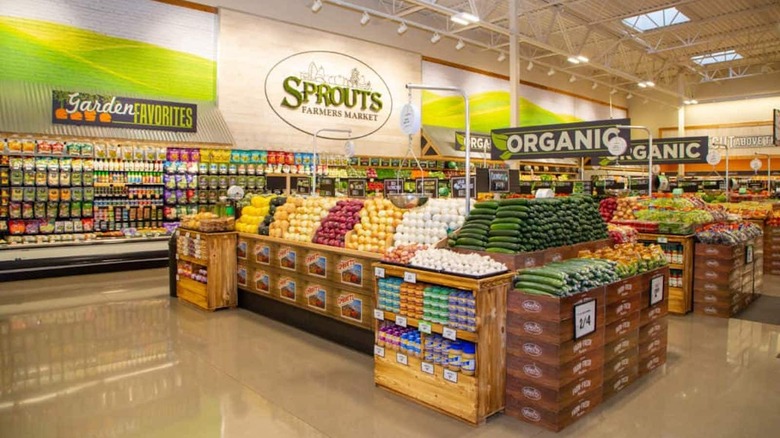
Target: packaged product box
column 706, row 264
column 722, row 298
column 724, row 252
column 548, row 331
column 715, row 277
column 554, row 420
column 546, row 308
column 552, row 399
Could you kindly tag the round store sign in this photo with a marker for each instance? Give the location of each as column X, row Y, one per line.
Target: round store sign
column 713, row 158
column 755, row 164
column 320, row 89
column 410, row 119
column 617, row 146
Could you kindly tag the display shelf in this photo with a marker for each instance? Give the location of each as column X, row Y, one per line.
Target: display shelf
column 676, row 266
column 192, row 259
column 469, row 402
column 220, row 289
column 680, row 298
column 435, row 328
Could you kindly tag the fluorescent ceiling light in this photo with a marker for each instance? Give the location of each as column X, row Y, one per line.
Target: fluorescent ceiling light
column 501, row 57
column 365, row 18
column 316, row 6
column 572, row 78
column 402, row 28
column 573, row 59
column 582, row 58
column 464, row 18
column 712, row 58
column 645, row 84
column 435, row 38
column 530, row 66
column 656, row 19
column 551, row 72
column 460, row 45
column 642, row 85
column 690, row 101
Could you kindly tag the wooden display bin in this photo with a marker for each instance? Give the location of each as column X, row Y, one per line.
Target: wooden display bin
column 728, row 277
column 468, row 398
column 680, row 298
column 532, row 259
column 218, row 256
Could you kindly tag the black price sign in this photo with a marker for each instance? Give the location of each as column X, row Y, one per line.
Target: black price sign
column 303, row 185
column 427, row 186
column 395, row 162
column 688, row 186
column 364, row 161
column 458, row 186
column 374, row 161
column 499, row 180
column 525, row 187
column 565, row 187
column 356, row 188
column 384, row 162
column 327, row 186
column 394, row 186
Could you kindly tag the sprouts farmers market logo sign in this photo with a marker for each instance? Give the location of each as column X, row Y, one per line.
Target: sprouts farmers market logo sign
column 74, row 108
column 319, row 89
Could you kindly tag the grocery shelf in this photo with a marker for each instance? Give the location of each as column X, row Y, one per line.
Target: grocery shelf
column 435, row 328
column 197, row 261
column 675, row 266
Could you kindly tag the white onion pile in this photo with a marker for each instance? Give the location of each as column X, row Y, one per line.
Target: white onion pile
column 430, row 223
column 449, row 261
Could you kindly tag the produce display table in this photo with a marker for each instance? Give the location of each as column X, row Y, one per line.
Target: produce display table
column 532, row 259
column 680, row 296
column 206, row 266
column 772, row 249
column 471, row 398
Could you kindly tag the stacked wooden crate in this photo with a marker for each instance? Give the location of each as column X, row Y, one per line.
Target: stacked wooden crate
column 727, row 277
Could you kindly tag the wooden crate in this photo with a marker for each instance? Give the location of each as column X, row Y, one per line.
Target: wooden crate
column 552, row 398
column 725, row 278
column 472, row 399
column 555, row 420
column 221, row 265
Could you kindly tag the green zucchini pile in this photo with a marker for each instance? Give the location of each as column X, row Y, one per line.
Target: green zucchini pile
column 510, row 226
column 569, row 277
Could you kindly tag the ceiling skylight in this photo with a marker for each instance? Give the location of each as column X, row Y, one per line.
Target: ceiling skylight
column 656, row 19
column 712, row 58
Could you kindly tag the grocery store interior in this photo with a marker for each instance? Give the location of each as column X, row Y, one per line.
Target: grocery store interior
column 424, row 218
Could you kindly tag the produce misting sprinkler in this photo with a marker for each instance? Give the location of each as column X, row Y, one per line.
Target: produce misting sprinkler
column 347, row 146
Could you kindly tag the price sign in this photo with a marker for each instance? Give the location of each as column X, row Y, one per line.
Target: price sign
column 303, row 185
column 427, row 186
column 400, row 320
column 656, row 289
column 426, row 367
column 393, row 186
column 356, row 188
column 379, row 351
column 499, row 180
column 379, row 314
column 662, row 240
column 424, row 327
column 379, row 272
column 402, row 359
column 327, row 186
column 525, row 187
column 449, row 333
column 410, row 277
column 584, row 319
column 450, row 376
column 748, row 254
column 458, row 186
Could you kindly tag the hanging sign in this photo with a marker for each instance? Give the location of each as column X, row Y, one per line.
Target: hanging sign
column 75, row 108
column 303, row 185
column 393, row 186
column 427, row 186
column 458, row 186
column 713, row 157
column 480, row 143
column 327, row 186
column 499, row 180
column 356, row 188
column 586, row 139
column 665, row 150
column 755, row 164
column 410, row 119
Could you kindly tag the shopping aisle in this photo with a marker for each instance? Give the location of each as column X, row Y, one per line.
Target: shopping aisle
column 112, row 355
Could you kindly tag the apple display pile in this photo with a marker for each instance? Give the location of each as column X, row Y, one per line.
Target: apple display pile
column 281, row 223
column 341, row 219
column 625, row 209
column 448, row 261
column 307, row 218
column 378, row 220
column 430, row 223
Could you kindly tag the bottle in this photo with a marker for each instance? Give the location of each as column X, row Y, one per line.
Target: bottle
column 468, row 359
column 453, row 356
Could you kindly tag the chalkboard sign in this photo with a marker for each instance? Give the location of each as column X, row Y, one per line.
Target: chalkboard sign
column 364, row 161
column 395, row 162
column 327, row 186
column 374, row 161
column 303, row 185
column 483, row 181
column 356, row 188
column 688, row 186
column 564, row 187
column 384, row 162
column 525, row 187
column 354, row 161
column 713, row 185
column 427, row 186
column 499, row 180
column 458, row 186
column 609, row 184
column 393, row 186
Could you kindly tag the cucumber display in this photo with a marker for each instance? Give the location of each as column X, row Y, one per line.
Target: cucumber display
column 568, row 277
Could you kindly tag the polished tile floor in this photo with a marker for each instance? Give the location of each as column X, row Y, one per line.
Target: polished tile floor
column 113, row 356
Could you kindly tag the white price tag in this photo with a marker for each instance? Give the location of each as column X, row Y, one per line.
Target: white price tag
column 662, row 240
column 424, row 327
column 656, row 289
column 402, row 359
column 379, row 272
column 584, row 319
column 379, row 314
column 410, row 277
column 426, row 367
column 400, row 320
column 449, row 333
column 748, row 254
column 379, row 351
column 450, row 376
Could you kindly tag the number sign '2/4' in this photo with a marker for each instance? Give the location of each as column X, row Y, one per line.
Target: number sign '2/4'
column 584, row 319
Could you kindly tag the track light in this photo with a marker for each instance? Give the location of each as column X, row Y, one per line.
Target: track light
column 316, row 6
column 573, row 59
column 629, row 96
column 464, row 18
column 550, row 72
column 572, row 79
column 582, row 58
column 594, row 86
column 365, row 18
column 690, row 101
column 501, row 57
column 460, row 45
column 435, row 38
column 645, row 84
column 613, row 91
column 530, row 66
column 402, row 28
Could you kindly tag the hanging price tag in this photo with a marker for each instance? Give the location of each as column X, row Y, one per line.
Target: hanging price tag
column 656, row 289
column 662, row 239
column 450, row 376
column 584, row 319
column 402, row 359
column 424, row 327
column 426, row 367
column 449, row 333
column 379, row 351
column 748, row 254
column 410, row 277
column 400, row 320
column 379, row 314
column 379, row 272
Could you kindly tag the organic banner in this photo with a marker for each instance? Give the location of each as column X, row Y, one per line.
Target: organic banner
column 665, row 150
column 479, row 142
column 588, row 139
column 75, row 108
